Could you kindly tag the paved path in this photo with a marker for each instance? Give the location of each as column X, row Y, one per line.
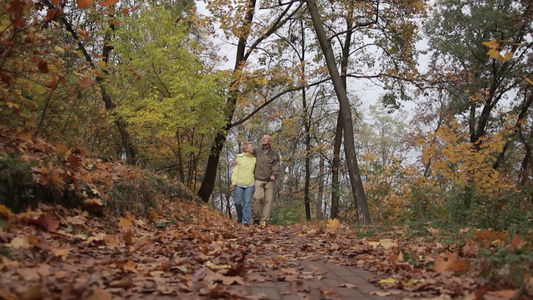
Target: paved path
column 325, row 281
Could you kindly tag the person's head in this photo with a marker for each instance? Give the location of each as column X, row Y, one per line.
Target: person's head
column 266, row 140
column 247, row 147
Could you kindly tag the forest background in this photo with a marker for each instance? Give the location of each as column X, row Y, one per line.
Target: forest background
column 146, row 81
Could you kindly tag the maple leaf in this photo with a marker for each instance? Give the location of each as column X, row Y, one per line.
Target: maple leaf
column 333, row 224
column 450, row 262
column 125, row 223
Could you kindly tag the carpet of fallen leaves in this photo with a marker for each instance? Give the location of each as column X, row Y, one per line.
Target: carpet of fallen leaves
column 180, row 249
column 193, row 252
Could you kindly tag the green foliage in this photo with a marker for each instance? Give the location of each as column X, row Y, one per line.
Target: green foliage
column 467, row 207
column 505, row 212
column 290, row 211
column 506, row 266
column 170, row 99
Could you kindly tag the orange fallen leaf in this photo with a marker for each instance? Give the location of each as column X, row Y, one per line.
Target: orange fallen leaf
column 517, row 241
column 505, row 294
column 48, row 222
column 450, row 262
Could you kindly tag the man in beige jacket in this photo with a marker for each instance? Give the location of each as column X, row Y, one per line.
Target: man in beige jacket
column 267, row 170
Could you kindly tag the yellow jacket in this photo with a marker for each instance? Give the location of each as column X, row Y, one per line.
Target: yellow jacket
column 243, row 173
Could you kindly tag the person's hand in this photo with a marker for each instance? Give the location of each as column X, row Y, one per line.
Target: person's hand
column 232, row 187
column 235, row 162
column 273, row 178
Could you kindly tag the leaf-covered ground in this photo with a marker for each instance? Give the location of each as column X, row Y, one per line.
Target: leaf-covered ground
column 194, row 253
column 180, row 249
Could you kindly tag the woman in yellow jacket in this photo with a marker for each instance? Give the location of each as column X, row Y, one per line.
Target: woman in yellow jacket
column 243, row 182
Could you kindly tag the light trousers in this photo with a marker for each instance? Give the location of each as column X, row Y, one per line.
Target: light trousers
column 263, row 196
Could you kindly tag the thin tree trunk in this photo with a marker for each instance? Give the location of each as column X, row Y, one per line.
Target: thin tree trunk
column 320, row 196
column 335, row 168
column 349, row 143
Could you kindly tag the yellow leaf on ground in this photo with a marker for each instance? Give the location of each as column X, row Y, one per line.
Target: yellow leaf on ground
column 213, row 266
column 125, row 223
column 388, row 281
column 333, row 224
column 19, row 242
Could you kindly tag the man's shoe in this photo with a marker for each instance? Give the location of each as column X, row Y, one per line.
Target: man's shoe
column 256, row 222
column 263, row 224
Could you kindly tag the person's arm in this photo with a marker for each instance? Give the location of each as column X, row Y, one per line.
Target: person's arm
column 275, row 168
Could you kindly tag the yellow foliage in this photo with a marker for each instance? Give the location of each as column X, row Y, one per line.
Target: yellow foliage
column 455, row 159
column 333, row 224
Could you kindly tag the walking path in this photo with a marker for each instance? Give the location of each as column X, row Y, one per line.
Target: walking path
column 286, row 265
column 326, row 281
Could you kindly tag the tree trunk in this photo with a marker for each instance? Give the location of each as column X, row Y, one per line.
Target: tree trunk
column 320, row 196
column 335, row 167
column 206, row 188
column 349, row 143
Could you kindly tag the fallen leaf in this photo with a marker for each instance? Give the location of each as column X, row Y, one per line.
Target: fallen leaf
column 19, row 242
column 333, row 224
column 125, row 223
column 111, row 241
column 29, row 274
column 450, row 262
column 503, row 294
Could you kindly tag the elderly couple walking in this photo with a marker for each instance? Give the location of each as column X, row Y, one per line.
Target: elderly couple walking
column 254, row 175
